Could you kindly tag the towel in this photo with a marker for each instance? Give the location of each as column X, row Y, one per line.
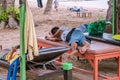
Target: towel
column 14, row 56
column 31, row 46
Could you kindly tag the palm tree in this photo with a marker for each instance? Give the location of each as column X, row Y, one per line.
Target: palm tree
column 48, row 7
column 118, row 16
column 3, row 3
column 109, row 11
column 109, row 17
column 10, row 3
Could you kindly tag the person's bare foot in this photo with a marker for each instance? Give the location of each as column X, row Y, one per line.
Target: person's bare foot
column 82, row 50
column 71, row 56
column 74, row 46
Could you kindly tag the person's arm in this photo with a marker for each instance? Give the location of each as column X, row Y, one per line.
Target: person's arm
column 12, row 52
column 52, row 38
column 58, row 31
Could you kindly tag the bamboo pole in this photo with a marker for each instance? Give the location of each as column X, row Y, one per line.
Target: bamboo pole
column 22, row 51
column 113, row 16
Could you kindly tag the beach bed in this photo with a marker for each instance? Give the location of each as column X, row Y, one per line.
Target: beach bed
column 98, row 51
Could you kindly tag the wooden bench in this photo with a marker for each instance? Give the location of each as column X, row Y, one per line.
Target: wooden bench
column 98, row 51
column 85, row 14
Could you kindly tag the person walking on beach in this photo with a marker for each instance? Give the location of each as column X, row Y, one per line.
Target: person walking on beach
column 40, row 5
column 56, row 4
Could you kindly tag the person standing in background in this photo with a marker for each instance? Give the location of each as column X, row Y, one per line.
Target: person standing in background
column 109, row 11
column 56, row 4
column 40, row 5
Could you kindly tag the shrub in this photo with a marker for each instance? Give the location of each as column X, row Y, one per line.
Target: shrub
column 9, row 11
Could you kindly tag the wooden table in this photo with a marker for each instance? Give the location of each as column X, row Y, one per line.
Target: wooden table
column 98, row 51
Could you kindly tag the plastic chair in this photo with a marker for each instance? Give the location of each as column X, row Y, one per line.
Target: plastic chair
column 12, row 71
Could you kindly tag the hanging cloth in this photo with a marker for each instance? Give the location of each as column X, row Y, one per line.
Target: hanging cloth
column 31, row 46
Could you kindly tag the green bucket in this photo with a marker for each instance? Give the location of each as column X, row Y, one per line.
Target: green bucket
column 67, row 66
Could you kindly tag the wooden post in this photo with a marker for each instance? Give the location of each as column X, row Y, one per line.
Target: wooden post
column 67, row 74
column 22, row 51
column 113, row 16
column 67, row 67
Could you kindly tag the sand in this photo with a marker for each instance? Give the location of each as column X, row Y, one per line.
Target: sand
column 64, row 17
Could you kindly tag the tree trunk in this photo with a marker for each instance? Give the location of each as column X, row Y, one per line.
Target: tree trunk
column 2, row 7
column 118, row 17
column 109, row 11
column 48, row 7
column 109, row 17
column 3, row 2
column 2, row 25
column 10, row 3
column 11, row 23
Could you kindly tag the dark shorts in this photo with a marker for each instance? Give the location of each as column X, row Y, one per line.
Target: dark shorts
column 78, row 37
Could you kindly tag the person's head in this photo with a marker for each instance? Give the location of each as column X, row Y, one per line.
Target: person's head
column 54, row 30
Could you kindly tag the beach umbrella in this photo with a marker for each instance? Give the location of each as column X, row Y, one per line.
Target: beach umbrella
column 28, row 40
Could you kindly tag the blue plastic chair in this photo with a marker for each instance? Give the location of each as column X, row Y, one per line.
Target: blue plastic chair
column 12, row 71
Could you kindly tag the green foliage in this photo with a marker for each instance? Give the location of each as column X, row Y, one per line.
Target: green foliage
column 100, row 18
column 9, row 11
column 3, row 16
column 17, row 14
column 96, row 28
column 0, row 6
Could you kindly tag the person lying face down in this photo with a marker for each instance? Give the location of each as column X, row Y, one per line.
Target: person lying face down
column 74, row 37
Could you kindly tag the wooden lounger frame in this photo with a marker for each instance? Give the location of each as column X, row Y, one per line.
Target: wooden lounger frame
column 47, row 56
column 98, row 51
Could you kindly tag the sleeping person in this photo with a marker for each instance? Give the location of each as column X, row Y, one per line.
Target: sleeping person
column 74, row 37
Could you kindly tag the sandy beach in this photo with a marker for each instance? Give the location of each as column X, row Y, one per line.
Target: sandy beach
column 64, row 17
